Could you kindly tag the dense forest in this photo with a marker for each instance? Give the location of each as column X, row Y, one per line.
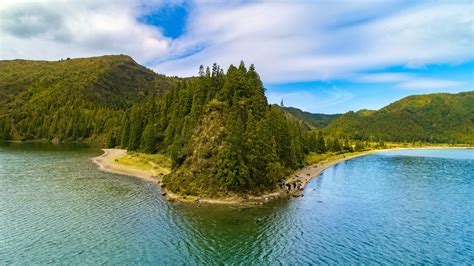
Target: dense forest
column 218, row 129
column 73, row 99
column 220, row 132
column 432, row 118
column 311, row 120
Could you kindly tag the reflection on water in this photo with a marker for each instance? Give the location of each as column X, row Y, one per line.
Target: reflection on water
column 393, row 207
column 235, row 234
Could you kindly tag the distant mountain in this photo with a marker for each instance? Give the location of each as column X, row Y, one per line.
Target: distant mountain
column 312, row 120
column 440, row 117
column 71, row 99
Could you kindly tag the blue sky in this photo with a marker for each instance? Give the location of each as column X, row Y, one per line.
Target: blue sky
column 320, row 56
column 170, row 19
column 337, row 96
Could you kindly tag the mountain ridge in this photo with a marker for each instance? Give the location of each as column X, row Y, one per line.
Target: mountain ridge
column 36, row 94
column 438, row 117
column 313, row 120
column 222, row 136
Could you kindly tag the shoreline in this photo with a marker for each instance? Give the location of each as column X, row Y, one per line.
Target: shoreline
column 307, row 173
column 106, row 163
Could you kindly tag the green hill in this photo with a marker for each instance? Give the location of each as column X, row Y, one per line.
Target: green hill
column 73, row 99
column 441, row 117
column 311, row 119
column 218, row 129
column 220, row 132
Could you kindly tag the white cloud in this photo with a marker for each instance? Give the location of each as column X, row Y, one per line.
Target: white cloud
column 306, row 99
column 58, row 29
column 387, row 77
column 287, row 41
column 410, row 81
column 327, row 40
column 430, row 84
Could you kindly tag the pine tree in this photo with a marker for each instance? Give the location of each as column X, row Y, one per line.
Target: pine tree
column 111, row 140
column 135, row 130
column 359, row 146
column 232, row 171
column 201, row 71
column 148, row 140
column 334, row 145
column 258, row 100
column 347, row 146
column 321, row 145
column 252, row 150
column 125, row 137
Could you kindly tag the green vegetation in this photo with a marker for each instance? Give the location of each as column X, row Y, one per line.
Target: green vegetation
column 220, row 132
column 159, row 163
column 215, row 134
column 310, row 119
column 317, row 158
column 72, row 100
column 218, row 129
column 359, row 147
column 432, row 118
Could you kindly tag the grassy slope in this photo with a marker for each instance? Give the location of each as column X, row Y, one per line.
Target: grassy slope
column 41, row 91
column 112, row 81
column 310, row 119
column 442, row 117
column 197, row 174
column 159, row 163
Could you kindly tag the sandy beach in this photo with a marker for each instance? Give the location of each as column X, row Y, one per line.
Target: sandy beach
column 305, row 174
column 107, row 163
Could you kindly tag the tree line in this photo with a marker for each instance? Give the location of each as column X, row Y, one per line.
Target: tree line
column 218, row 128
column 256, row 144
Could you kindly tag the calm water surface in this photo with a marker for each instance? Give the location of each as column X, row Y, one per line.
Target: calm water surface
column 412, row 206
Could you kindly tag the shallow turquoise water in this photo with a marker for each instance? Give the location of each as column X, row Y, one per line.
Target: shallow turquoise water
column 412, row 206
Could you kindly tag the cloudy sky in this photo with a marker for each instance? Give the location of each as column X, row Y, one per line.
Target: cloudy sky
column 321, row 56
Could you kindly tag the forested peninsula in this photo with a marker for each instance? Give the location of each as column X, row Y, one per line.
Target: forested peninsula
column 219, row 132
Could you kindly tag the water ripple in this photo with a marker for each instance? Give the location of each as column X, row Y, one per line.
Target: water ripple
column 389, row 208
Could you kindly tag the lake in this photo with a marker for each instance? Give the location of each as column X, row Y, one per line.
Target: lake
column 410, row 206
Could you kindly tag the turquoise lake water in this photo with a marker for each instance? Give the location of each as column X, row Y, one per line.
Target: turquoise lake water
column 414, row 206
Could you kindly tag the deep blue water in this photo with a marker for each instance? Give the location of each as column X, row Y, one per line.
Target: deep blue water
column 414, row 206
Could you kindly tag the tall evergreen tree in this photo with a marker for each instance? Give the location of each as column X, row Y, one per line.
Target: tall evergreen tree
column 148, row 139
column 232, row 171
column 135, row 130
column 321, row 144
column 125, row 137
